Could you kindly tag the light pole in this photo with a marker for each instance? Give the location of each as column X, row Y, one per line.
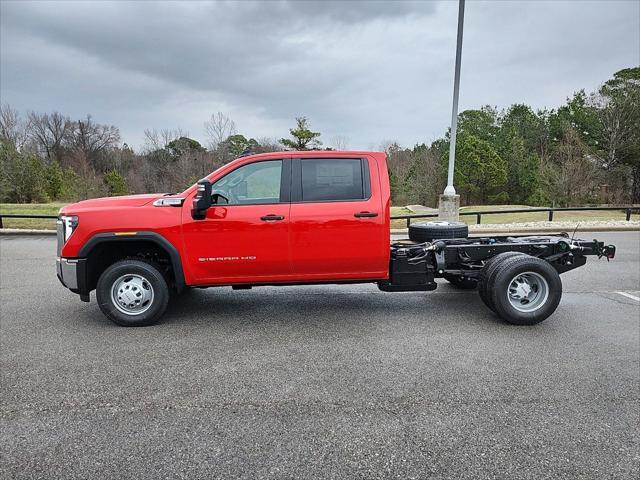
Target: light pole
column 449, row 201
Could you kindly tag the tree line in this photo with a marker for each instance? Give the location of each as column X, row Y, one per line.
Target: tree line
column 585, row 151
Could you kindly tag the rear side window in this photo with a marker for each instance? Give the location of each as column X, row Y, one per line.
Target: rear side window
column 332, row 179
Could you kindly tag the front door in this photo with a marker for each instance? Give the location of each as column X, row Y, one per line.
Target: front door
column 245, row 236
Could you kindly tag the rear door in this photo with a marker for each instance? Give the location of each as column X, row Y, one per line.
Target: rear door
column 338, row 228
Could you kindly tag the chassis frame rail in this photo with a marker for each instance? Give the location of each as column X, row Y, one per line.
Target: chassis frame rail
column 414, row 266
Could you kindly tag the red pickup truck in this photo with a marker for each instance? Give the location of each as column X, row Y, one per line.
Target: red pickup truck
column 290, row 218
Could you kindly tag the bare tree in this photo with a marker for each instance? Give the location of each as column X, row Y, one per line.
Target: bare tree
column 12, row 128
column 158, row 139
column 387, row 146
column 340, row 142
column 49, row 132
column 151, row 140
column 423, row 179
column 218, row 128
column 268, row 144
column 576, row 177
column 92, row 138
column 617, row 125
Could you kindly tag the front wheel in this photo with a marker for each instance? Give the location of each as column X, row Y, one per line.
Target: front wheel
column 132, row 293
column 525, row 290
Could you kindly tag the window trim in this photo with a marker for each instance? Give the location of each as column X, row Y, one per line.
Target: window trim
column 285, row 183
column 296, row 179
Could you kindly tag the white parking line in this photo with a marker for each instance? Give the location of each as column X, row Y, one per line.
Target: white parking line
column 628, row 295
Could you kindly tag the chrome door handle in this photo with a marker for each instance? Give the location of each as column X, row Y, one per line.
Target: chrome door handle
column 272, row 218
column 365, row 214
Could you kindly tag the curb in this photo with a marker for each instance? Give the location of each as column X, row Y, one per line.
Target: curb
column 21, row 231
column 482, row 231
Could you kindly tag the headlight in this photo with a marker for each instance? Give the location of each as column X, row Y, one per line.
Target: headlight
column 69, row 224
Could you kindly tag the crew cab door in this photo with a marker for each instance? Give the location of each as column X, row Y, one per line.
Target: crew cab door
column 338, row 223
column 245, row 236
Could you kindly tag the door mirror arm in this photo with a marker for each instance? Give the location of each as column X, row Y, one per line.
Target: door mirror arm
column 202, row 200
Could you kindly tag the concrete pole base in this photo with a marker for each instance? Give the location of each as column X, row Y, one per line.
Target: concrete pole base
column 449, row 208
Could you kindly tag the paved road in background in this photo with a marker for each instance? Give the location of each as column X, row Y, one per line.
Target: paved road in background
column 319, row 381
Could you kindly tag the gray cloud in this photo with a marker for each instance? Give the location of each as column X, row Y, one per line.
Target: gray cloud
column 372, row 71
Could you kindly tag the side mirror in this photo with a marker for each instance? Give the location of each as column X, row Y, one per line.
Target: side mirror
column 202, row 200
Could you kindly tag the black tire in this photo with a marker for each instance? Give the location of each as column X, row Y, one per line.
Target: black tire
column 136, row 269
column 520, row 266
column 460, row 281
column 428, row 231
column 487, row 273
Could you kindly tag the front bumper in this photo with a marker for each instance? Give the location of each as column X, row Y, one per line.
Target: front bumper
column 72, row 273
column 67, row 270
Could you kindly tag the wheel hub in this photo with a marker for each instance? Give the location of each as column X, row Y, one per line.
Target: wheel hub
column 528, row 291
column 522, row 289
column 132, row 294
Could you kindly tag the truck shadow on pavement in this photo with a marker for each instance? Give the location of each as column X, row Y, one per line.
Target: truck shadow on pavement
column 279, row 305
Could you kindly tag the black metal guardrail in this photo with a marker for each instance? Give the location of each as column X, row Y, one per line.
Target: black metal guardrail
column 21, row 215
column 408, row 218
column 550, row 210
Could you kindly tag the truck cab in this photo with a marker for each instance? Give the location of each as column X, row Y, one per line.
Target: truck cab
column 291, row 218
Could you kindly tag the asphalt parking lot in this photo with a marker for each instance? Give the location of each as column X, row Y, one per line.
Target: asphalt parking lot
column 320, row 381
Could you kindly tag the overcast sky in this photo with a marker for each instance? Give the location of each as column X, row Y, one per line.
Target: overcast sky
column 370, row 71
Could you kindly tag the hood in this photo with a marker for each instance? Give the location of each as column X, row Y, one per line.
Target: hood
column 112, row 202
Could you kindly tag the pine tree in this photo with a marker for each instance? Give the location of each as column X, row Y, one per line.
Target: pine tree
column 303, row 137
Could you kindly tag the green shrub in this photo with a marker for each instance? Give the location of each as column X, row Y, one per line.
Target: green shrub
column 23, row 176
column 116, row 184
column 54, row 178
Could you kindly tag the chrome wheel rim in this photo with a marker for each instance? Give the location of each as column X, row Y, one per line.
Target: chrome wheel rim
column 132, row 294
column 527, row 292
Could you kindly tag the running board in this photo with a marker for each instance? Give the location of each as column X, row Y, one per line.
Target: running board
column 420, row 287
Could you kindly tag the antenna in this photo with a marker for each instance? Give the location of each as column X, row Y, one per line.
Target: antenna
column 574, row 232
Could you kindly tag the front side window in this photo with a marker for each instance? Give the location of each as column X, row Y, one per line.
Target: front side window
column 332, row 179
column 255, row 183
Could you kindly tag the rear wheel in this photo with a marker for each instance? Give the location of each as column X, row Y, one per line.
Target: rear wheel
column 525, row 290
column 486, row 275
column 132, row 293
